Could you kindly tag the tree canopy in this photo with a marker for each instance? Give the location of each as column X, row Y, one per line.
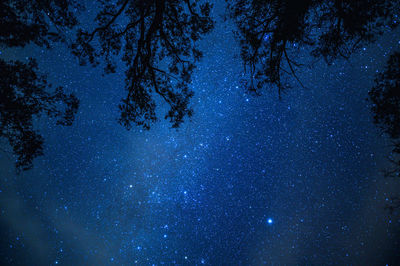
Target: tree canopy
column 270, row 30
column 157, row 39
column 24, row 95
column 24, row 91
column 385, row 97
column 40, row 22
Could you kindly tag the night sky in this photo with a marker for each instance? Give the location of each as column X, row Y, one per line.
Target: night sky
column 249, row 180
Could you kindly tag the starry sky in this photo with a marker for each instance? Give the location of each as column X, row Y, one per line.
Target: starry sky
column 249, row 180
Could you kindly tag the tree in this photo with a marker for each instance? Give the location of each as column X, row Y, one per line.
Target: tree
column 270, row 30
column 157, row 40
column 23, row 90
column 23, row 93
column 385, row 97
column 34, row 21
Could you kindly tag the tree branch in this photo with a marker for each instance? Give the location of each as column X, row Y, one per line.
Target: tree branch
column 102, row 28
column 291, row 67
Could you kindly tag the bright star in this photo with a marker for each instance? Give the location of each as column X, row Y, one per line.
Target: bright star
column 269, row 221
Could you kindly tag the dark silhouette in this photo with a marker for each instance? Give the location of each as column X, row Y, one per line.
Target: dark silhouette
column 385, row 96
column 157, row 40
column 34, row 21
column 23, row 95
column 271, row 31
column 23, row 90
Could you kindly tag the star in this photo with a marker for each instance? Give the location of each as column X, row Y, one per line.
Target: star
column 269, row 221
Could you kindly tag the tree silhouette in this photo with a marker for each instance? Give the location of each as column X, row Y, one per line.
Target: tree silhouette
column 270, row 31
column 34, row 21
column 156, row 39
column 23, row 90
column 385, row 96
column 24, row 96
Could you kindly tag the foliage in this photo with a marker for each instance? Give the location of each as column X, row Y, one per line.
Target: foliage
column 39, row 22
column 270, row 30
column 385, row 96
column 23, row 91
column 157, row 40
column 24, row 96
